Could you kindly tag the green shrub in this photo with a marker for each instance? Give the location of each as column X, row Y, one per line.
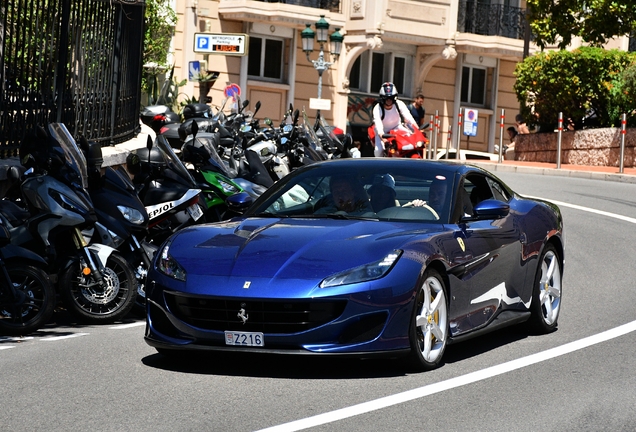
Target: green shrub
column 585, row 84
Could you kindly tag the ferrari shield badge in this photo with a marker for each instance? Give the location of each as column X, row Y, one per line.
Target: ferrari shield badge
column 461, row 244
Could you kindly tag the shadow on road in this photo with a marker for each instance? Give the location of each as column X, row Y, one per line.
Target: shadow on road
column 316, row 366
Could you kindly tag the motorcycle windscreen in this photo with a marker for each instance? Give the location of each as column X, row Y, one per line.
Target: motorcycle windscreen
column 74, row 157
column 173, row 161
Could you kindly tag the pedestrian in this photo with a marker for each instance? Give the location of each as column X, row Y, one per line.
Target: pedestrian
column 417, row 109
column 510, row 148
column 522, row 128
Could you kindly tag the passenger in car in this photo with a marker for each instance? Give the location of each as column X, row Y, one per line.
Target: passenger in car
column 383, row 196
column 382, row 192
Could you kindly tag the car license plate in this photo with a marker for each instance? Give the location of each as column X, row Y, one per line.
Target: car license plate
column 195, row 211
column 244, row 338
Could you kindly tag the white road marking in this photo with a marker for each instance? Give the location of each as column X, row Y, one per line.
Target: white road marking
column 5, row 347
column 452, row 383
column 125, row 326
column 15, row 338
column 470, row 378
column 57, row 338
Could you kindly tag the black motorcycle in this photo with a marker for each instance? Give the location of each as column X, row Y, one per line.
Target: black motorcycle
column 27, row 297
column 95, row 282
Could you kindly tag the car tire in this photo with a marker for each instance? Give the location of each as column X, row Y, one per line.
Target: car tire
column 546, row 292
column 429, row 329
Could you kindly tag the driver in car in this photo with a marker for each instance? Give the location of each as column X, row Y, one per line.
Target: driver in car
column 347, row 195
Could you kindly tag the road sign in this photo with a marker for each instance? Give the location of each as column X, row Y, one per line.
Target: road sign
column 194, row 70
column 470, row 122
column 232, row 91
column 320, row 104
column 221, row 43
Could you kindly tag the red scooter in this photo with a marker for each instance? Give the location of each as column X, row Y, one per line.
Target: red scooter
column 403, row 142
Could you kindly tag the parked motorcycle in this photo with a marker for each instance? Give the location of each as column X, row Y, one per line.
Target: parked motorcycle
column 166, row 188
column 27, row 297
column 122, row 217
column 95, row 282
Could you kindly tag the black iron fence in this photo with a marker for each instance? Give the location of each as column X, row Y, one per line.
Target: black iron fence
column 491, row 19
column 73, row 61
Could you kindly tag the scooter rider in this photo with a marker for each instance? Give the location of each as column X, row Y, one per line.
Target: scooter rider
column 389, row 114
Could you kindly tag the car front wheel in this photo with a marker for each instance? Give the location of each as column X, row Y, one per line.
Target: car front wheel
column 429, row 329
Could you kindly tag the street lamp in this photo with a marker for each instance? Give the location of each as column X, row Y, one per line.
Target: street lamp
column 335, row 42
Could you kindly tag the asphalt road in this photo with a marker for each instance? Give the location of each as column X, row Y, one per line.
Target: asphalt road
column 579, row 378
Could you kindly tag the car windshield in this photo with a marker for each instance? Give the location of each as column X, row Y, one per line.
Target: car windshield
column 374, row 192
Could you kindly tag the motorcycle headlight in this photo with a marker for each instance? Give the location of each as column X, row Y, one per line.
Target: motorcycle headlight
column 131, row 215
column 228, row 188
column 420, row 143
column 363, row 273
column 167, row 265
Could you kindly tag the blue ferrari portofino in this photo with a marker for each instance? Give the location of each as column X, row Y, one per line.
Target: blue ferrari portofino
column 361, row 257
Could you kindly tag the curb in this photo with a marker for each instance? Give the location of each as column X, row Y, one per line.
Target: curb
column 616, row 177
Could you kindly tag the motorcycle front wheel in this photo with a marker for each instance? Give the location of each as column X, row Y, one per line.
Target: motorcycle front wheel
column 34, row 307
column 94, row 303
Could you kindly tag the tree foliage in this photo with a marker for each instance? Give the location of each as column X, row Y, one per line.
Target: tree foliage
column 588, row 85
column 159, row 23
column 595, row 21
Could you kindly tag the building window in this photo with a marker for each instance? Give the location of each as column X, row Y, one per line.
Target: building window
column 371, row 69
column 265, row 59
column 473, row 85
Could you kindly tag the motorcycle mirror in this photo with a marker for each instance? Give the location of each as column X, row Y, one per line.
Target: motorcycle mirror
column 257, row 107
column 194, row 129
column 296, row 115
column 268, row 121
column 149, row 147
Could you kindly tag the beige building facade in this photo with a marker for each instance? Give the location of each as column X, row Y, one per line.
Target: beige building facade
column 459, row 54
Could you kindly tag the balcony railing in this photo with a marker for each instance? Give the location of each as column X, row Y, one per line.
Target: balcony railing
column 491, row 19
column 330, row 5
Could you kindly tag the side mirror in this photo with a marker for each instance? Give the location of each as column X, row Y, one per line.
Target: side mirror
column 490, row 209
column 239, row 202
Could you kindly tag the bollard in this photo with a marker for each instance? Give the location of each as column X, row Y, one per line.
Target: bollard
column 459, row 134
column 501, row 133
column 437, row 127
column 431, row 126
column 623, row 132
column 448, row 140
column 560, row 132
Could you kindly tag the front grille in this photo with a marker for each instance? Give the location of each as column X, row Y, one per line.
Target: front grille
column 266, row 316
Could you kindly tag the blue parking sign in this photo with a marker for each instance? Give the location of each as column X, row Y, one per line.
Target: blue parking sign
column 202, row 42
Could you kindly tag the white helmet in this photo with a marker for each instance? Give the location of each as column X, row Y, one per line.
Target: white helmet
column 388, row 91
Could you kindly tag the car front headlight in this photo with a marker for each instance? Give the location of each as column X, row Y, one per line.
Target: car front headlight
column 131, row 215
column 363, row 273
column 167, row 265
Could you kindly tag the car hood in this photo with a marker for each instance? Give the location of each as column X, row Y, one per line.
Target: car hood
column 274, row 248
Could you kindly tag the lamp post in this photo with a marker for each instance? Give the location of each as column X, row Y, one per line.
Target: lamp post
column 335, row 42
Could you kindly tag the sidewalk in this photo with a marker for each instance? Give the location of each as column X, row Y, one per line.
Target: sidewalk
column 580, row 171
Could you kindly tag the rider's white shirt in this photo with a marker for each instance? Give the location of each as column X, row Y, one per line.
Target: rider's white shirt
column 391, row 117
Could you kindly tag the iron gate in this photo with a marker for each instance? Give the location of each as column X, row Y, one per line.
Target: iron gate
column 73, row 61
